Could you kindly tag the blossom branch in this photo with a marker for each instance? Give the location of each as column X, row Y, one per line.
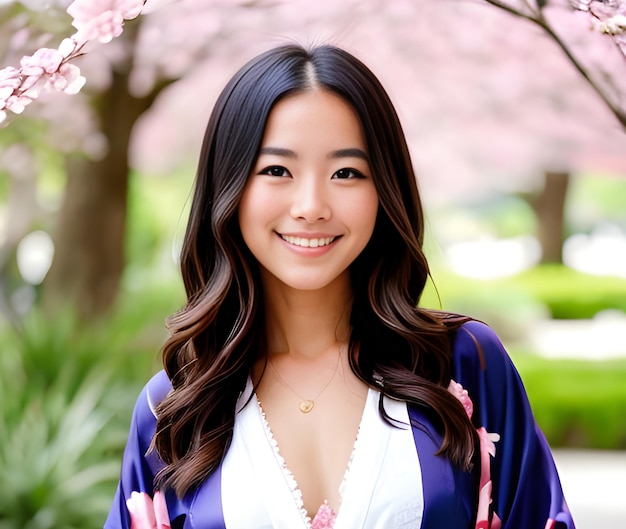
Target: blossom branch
column 607, row 19
column 49, row 69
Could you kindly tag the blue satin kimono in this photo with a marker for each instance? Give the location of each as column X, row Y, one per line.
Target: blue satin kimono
column 526, row 490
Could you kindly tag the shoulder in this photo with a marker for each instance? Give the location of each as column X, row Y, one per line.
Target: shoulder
column 481, row 363
column 144, row 414
column 477, row 343
column 157, row 389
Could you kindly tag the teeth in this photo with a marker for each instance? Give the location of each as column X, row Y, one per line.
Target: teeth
column 308, row 243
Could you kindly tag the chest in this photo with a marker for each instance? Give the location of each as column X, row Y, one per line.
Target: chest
column 377, row 487
column 252, row 490
column 316, row 446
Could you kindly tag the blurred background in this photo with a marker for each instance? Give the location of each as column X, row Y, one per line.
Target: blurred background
column 518, row 136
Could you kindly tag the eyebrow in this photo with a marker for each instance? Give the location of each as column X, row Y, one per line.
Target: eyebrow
column 278, row 151
column 349, row 153
column 341, row 153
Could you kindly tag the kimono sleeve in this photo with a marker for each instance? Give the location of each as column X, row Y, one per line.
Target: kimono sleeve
column 526, row 490
column 138, row 467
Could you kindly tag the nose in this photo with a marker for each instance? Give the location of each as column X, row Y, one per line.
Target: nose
column 310, row 200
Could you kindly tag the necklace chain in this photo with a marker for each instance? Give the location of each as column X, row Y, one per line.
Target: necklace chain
column 306, row 405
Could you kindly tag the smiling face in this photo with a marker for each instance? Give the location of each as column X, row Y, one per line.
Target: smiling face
column 309, row 207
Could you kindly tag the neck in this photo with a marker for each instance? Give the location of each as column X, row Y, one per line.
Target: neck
column 307, row 323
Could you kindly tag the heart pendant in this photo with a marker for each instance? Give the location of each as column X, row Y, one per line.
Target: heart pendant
column 306, row 406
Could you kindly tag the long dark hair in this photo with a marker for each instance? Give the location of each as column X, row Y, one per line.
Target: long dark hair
column 216, row 338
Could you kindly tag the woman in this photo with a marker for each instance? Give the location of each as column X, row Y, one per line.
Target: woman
column 302, row 385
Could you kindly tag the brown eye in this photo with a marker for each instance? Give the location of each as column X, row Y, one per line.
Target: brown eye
column 346, row 174
column 275, row 170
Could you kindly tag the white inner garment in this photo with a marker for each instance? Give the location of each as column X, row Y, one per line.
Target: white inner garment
column 382, row 488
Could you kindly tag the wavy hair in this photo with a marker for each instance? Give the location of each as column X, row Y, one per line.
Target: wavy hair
column 217, row 336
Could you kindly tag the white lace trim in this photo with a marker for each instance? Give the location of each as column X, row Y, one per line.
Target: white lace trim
column 290, row 478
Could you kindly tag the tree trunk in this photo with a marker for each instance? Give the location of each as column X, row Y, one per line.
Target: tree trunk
column 550, row 207
column 89, row 241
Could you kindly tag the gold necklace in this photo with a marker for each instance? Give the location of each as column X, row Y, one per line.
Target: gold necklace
column 306, row 405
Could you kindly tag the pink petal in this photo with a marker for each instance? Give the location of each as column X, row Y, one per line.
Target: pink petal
column 67, row 47
column 487, row 449
column 82, row 11
column 10, row 76
column 463, row 396
column 160, row 511
column 129, row 9
column 484, row 500
column 103, row 28
column 141, row 511
column 17, row 104
column 45, row 59
column 5, row 93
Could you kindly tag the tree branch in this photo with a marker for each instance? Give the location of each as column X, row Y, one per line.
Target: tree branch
column 540, row 21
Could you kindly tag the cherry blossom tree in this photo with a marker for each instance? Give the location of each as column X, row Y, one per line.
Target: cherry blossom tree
column 598, row 55
column 492, row 102
column 50, row 70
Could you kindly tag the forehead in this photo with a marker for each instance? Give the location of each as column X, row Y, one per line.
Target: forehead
column 312, row 118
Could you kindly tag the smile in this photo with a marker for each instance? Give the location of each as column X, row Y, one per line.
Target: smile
column 308, row 243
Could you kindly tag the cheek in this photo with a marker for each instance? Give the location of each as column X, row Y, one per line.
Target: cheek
column 256, row 215
column 366, row 211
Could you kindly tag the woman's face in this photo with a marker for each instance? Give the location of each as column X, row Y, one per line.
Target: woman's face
column 309, row 206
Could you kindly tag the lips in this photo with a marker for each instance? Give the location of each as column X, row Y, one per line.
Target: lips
column 304, row 242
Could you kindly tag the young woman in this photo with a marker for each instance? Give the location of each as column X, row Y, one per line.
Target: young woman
column 303, row 386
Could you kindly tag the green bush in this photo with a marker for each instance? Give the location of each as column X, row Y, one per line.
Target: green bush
column 66, row 395
column 60, row 454
column 559, row 291
column 577, row 403
column 569, row 294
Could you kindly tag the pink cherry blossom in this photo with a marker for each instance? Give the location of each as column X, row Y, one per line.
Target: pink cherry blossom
column 487, row 451
column 615, row 25
column 104, row 28
column 68, row 79
column 44, row 60
column 9, row 78
column 461, row 394
column 85, row 10
column 17, row 103
column 607, row 17
column 48, row 69
column 148, row 513
column 102, row 20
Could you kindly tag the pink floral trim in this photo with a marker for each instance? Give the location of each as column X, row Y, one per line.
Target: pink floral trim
column 487, row 450
column 325, row 517
column 146, row 512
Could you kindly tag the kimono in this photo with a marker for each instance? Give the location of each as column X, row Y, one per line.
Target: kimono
column 515, row 486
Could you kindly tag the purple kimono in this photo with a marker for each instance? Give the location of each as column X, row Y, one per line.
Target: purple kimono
column 517, row 489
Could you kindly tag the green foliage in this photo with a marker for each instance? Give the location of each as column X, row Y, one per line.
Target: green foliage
column 66, row 394
column 592, row 200
column 570, row 294
column 577, row 403
column 59, row 454
column 562, row 292
column 157, row 217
